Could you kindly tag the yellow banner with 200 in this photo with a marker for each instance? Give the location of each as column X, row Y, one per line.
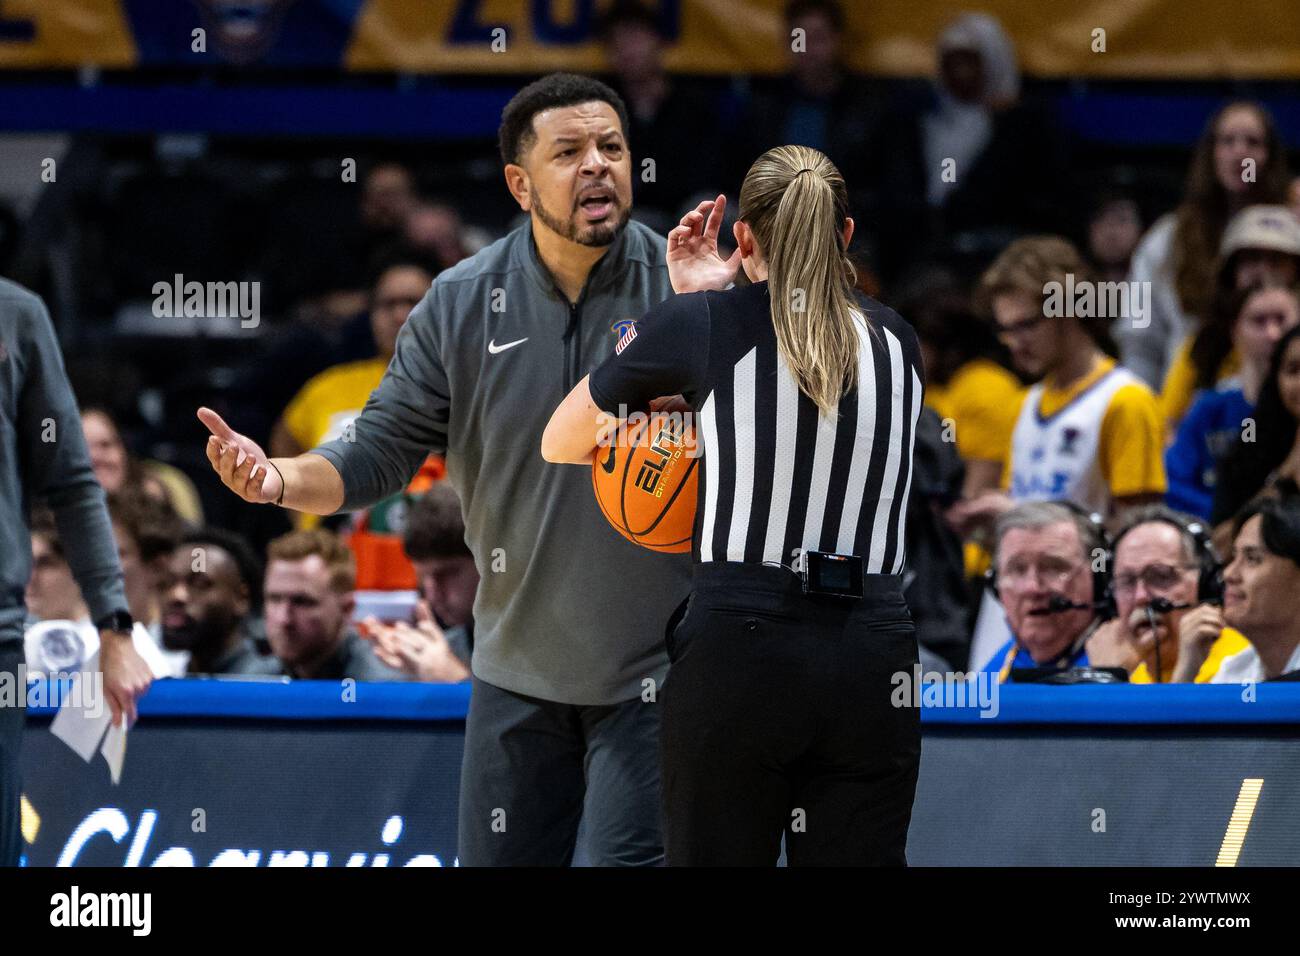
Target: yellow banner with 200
column 1054, row 38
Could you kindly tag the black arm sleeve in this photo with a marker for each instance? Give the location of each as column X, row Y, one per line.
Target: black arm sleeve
column 666, row 353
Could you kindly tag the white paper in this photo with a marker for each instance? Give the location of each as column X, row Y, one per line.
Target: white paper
column 114, row 751
column 76, row 726
column 82, row 730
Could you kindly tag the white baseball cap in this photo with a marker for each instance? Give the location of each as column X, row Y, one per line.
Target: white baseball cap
column 1262, row 227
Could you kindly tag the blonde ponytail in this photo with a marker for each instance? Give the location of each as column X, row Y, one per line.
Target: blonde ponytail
column 794, row 200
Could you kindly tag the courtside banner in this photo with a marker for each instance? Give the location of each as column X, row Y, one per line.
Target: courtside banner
column 248, row 793
column 1183, row 39
column 236, row 773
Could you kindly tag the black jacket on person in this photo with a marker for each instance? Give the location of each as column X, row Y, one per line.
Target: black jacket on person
column 1016, row 185
column 935, row 579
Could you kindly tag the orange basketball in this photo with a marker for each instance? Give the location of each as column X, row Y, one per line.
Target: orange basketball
column 646, row 482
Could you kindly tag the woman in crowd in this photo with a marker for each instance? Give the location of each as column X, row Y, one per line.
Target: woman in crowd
column 1271, row 462
column 1260, row 245
column 116, row 469
column 1239, row 161
column 1263, row 314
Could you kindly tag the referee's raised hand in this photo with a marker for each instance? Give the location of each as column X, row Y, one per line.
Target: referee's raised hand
column 694, row 264
column 240, row 462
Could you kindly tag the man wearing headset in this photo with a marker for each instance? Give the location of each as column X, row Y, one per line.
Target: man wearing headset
column 1167, row 584
column 1049, row 571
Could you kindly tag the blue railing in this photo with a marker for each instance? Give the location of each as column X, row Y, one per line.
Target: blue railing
column 1020, row 704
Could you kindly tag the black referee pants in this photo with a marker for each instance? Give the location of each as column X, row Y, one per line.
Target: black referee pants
column 777, row 720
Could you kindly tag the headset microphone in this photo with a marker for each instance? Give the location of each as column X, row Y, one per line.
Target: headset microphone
column 1056, row 604
column 1161, row 605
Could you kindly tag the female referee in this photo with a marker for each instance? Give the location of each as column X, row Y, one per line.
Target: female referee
column 777, row 710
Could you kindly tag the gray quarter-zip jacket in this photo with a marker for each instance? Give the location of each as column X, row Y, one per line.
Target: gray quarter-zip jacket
column 43, row 455
column 567, row 609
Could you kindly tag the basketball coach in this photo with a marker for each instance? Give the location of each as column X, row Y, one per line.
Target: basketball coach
column 569, row 619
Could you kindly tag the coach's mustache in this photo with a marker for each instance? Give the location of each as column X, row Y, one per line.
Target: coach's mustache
column 604, row 192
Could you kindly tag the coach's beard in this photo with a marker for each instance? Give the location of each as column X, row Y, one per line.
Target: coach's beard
column 595, row 234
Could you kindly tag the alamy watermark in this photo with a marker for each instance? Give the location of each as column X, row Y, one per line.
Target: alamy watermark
column 62, row 687
column 915, row 688
column 1084, row 299
column 133, row 911
column 181, row 299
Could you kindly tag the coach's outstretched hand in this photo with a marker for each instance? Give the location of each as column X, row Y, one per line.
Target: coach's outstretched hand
column 240, row 461
column 694, row 264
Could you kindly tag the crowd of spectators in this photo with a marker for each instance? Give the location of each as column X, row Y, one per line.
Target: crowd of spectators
column 1172, row 423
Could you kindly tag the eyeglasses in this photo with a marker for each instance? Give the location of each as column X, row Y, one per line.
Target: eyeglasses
column 1049, row 573
column 1010, row 331
column 1158, row 578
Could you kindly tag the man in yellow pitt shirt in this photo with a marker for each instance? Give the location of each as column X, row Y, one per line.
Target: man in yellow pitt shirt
column 1089, row 432
column 331, row 400
column 1168, row 588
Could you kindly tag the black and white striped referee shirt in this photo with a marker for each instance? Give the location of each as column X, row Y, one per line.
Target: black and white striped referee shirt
column 778, row 476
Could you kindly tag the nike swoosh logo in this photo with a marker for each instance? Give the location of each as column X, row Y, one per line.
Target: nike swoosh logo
column 608, row 463
column 494, row 348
